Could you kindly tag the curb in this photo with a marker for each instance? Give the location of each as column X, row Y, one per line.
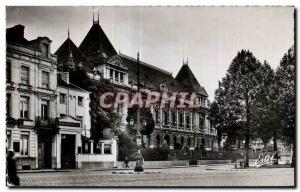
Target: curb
column 114, row 169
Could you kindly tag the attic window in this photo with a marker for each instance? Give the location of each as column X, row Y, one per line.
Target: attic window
column 45, row 49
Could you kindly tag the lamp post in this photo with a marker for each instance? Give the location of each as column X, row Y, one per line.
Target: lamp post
column 139, row 157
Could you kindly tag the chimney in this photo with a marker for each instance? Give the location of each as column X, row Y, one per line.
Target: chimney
column 15, row 33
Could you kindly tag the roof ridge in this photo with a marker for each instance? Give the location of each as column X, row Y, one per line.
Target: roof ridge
column 146, row 64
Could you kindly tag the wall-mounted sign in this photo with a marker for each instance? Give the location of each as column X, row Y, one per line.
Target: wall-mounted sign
column 69, row 124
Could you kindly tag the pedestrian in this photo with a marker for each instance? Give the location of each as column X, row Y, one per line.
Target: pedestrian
column 12, row 177
column 126, row 162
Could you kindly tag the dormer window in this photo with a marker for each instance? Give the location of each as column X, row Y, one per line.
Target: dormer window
column 45, row 49
column 116, row 76
column 111, row 74
column 121, row 77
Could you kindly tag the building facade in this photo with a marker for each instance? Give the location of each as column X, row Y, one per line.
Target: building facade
column 46, row 114
column 178, row 129
column 31, row 99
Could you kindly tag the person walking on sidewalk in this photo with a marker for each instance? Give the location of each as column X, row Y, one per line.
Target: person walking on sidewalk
column 12, row 177
column 126, row 161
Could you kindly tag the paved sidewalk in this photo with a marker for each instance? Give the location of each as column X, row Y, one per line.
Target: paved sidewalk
column 120, row 169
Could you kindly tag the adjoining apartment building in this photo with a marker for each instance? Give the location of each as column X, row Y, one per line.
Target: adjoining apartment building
column 46, row 114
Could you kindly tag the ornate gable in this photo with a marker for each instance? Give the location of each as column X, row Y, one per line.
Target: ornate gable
column 117, row 61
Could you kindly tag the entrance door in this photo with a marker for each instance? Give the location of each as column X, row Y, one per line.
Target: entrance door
column 44, row 154
column 68, row 151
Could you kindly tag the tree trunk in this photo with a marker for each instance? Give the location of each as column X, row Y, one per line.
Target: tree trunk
column 275, row 146
column 293, row 156
column 247, row 131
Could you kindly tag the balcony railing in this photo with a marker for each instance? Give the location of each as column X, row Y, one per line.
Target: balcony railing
column 42, row 123
column 11, row 121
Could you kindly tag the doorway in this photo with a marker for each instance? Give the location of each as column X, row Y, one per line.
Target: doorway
column 44, row 152
column 68, row 151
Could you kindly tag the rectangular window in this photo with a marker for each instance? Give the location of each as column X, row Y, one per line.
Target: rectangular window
column 97, row 147
column 25, row 75
column 165, row 117
column 201, row 123
column 80, row 101
column 8, row 71
column 156, row 116
column 16, row 146
column 111, row 73
column 121, row 77
column 86, row 147
column 45, row 79
column 187, row 118
column 45, row 49
column 44, row 109
column 24, row 143
column 107, row 148
column 180, row 120
column 24, row 107
column 62, row 98
column 174, row 118
column 116, row 76
column 8, row 139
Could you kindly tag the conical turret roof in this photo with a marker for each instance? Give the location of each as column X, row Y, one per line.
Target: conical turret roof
column 187, row 79
column 67, row 49
column 96, row 44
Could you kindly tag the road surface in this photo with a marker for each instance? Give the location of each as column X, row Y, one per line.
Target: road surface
column 188, row 176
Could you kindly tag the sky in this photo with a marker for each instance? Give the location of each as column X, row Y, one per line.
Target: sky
column 209, row 36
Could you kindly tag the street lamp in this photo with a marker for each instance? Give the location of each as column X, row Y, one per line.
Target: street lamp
column 139, row 157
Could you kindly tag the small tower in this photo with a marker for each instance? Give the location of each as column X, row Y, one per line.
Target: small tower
column 70, row 62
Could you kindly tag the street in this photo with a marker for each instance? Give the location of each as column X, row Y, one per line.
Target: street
column 221, row 175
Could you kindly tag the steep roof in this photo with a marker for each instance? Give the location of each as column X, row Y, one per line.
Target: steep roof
column 187, row 79
column 63, row 54
column 96, row 44
column 62, row 83
column 150, row 76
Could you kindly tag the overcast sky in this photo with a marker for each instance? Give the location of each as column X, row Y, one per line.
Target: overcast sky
column 209, row 36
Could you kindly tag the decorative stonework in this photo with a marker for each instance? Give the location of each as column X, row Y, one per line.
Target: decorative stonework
column 117, row 61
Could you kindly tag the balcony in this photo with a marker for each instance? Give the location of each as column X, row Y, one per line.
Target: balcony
column 19, row 122
column 11, row 121
column 46, row 124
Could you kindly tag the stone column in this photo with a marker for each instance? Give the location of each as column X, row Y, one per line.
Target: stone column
column 152, row 141
column 160, row 116
column 113, row 77
column 31, row 109
column 185, row 142
column 171, row 142
column 191, row 121
column 102, row 148
column 184, row 120
column 92, row 146
column 177, row 119
column 15, row 71
column 14, row 105
column 58, row 151
column 169, row 117
column 192, row 146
